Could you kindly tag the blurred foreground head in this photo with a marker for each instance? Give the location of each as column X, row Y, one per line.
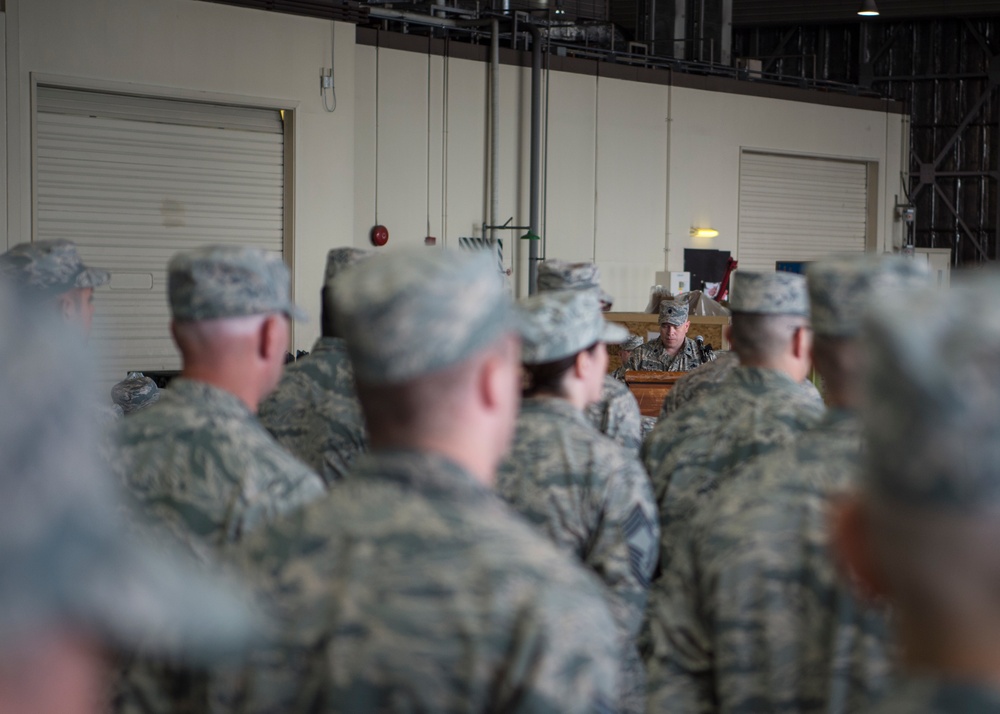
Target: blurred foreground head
column 432, row 336
column 51, row 272
column 841, row 290
column 922, row 532
column 74, row 582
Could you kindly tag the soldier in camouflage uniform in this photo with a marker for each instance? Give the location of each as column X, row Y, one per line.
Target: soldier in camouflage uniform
column 76, row 584
column 411, row 587
column 699, row 382
column 920, row 531
column 198, row 460
column 616, row 413
column 633, row 343
column 52, row 274
column 759, row 407
column 750, row 614
column 704, row 380
column 314, row 412
column 585, row 492
column 674, row 351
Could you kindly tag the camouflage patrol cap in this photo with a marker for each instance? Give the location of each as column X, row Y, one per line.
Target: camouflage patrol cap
column 674, row 312
column 842, row 288
column 555, row 274
column 47, row 268
column 339, row 259
column 135, row 392
column 932, row 411
column 776, row 293
column 67, row 560
column 412, row 313
column 222, row 281
column 559, row 324
column 633, row 342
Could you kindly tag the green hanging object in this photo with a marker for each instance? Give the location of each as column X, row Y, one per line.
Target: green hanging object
column 530, row 236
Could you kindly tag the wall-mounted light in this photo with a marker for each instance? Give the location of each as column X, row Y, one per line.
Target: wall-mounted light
column 868, row 9
column 704, row 233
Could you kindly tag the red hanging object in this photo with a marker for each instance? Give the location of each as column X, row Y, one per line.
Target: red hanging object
column 380, row 235
column 723, row 293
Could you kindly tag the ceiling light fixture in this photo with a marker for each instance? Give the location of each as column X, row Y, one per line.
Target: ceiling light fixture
column 704, row 233
column 868, row 9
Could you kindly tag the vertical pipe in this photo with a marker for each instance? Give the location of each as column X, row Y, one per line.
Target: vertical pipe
column 495, row 130
column 536, row 155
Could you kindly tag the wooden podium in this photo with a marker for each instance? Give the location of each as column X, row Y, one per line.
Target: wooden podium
column 649, row 389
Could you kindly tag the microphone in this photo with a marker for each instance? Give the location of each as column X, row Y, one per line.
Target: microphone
column 704, row 350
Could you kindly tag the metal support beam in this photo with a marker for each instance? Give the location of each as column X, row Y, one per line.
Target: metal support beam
column 773, row 57
column 965, row 228
column 973, row 113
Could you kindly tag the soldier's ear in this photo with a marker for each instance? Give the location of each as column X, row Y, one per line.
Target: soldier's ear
column 272, row 339
column 854, row 553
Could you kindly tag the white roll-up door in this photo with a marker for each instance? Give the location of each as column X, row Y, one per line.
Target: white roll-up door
column 795, row 208
column 133, row 180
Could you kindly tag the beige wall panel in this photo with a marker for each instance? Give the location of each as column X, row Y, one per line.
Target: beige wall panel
column 401, row 188
column 631, row 188
column 708, row 130
column 364, row 145
column 208, row 50
column 515, row 153
column 434, row 195
column 466, row 172
column 571, row 155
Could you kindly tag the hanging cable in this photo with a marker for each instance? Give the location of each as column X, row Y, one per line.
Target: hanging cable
column 328, row 80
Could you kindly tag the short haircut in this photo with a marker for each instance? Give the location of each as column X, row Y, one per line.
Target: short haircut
column 758, row 337
column 427, row 403
column 838, row 362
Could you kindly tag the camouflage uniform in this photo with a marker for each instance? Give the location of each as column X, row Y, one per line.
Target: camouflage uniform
column 42, row 270
column 410, row 588
column 589, row 496
column 756, row 410
column 929, row 696
column 68, row 563
column 689, row 456
column 314, row 412
column 200, row 462
column 135, row 392
column 593, row 500
column 633, row 343
column 653, row 357
column 931, row 425
column 750, row 614
column 700, row 381
column 47, row 268
column 616, row 414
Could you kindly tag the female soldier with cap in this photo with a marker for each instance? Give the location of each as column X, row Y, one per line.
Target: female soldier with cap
column 589, row 495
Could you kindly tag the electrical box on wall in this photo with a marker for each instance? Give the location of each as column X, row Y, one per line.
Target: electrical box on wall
column 939, row 260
